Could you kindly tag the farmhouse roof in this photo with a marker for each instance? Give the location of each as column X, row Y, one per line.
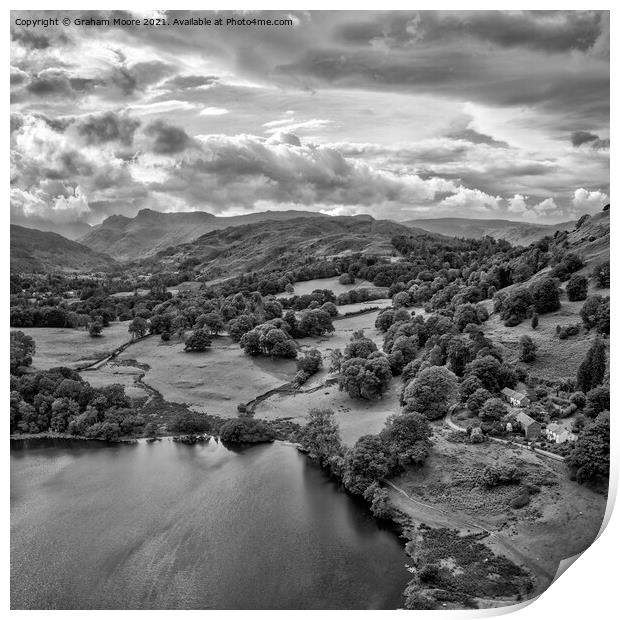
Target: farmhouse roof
column 525, row 419
column 513, row 394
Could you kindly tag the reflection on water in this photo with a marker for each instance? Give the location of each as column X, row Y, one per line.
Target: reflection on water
column 166, row 525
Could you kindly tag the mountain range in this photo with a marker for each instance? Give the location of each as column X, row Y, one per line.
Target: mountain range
column 516, row 233
column 130, row 238
column 279, row 244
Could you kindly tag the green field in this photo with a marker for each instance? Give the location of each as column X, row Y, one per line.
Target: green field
column 59, row 346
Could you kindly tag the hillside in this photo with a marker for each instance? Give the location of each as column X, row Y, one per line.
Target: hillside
column 35, row 251
column 590, row 238
column 517, row 233
column 129, row 238
column 278, row 244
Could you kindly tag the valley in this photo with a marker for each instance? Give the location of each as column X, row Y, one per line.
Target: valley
column 273, row 352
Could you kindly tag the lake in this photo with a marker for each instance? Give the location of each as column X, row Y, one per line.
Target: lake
column 171, row 526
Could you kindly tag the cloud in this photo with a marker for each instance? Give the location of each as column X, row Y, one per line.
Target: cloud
column 161, row 107
column 184, row 82
column 213, row 111
column 585, row 201
column 62, row 209
column 108, row 127
column 517, row 204
column 579, row 138
column 438, row 112
column 546, row 208
column 468, row 200
column 57, row 83
column 290, row 125
column 166, row 139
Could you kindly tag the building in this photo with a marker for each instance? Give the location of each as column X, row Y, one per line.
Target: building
column 516, row 399
column 559, row 434
column 531, row 428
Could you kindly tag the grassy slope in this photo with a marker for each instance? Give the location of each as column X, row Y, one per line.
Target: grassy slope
column 36, row 251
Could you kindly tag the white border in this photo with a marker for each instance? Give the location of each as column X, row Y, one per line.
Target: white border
column 587, row 589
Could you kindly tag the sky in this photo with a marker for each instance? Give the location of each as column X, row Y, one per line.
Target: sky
column 401, row 115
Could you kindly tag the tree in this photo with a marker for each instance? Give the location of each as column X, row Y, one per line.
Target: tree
column 477, row 399
column 138, row 328
column 602, row 274
column 493, row 410
column 488, row 370
column 310, row 362
column 514, row 307
column 577, row 288
column 320, row 436
column 365, row 378
column 431, row 392
column 366, row 462
column 95, row 328
column 359, row 346
column 464, row 315
column 250, row 343
column 240, row 326
column 380, row 506
column 22, row 350
column 210, row 321
column 589, row 458
column 384, row 319
column 330, row 308
column 272, row 309
column 199, row 341
column 277, row 343
column 546, row 295
column 246, row 430
column 528, row 349
column 407, row 437
column 335, row 361
column 592, row 370
column 597, row 401
column 459, row 354
column 314, row 323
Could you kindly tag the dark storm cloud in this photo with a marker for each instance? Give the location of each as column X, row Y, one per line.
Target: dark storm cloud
column 166, row 139
column 108, row 127
column 579, row 138
column 548, row 32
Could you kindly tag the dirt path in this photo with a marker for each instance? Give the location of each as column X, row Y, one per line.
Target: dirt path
column 104, row 360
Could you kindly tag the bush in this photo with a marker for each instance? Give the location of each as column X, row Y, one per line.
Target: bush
column 528, row 349
column 521, row 500
column 577, row 288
